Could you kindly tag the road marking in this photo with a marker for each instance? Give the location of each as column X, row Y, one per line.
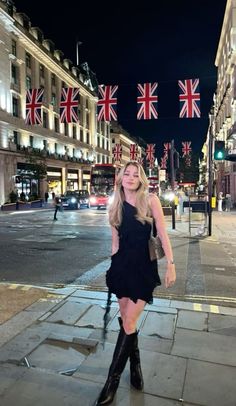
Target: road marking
column 220, row 269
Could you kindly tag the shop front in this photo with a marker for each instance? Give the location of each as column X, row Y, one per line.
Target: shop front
column 72, row 182
column 54, row 180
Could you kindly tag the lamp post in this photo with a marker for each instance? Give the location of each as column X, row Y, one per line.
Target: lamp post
column 210, row 178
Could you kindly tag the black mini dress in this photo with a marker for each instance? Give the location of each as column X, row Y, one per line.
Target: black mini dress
column 132, row 274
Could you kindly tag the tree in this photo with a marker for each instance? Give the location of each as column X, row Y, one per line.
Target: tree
column 36, row 166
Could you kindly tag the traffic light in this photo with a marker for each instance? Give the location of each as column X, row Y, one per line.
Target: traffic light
column 219, row 153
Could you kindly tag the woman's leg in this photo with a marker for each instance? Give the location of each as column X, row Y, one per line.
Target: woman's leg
column 130, row 313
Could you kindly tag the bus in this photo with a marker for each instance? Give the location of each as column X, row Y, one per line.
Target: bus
column 102, row 183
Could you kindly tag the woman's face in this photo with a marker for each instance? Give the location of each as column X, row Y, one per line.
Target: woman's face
column 130, row 179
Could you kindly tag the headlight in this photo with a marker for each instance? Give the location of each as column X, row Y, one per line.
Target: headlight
column 93, row 200
column 73, row 200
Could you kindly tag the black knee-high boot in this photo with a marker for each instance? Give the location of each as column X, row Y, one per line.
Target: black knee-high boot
column 120, row 357
column 136, row 376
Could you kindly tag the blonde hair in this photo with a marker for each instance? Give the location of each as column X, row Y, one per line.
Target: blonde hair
column 141, row 203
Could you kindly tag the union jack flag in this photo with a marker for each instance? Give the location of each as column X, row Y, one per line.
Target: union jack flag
column 188, row 160
column 107, row 103
column 117, row 152
column 133, row 152
column 189, row 98
column 167, row 146
column 186, row 148
column 141, row 160
column 69, row 105
column 150, row 151
column 34, row 98
column 163, row 162
column 147, row 97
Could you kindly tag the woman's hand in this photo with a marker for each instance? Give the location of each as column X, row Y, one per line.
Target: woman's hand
column 170, row 276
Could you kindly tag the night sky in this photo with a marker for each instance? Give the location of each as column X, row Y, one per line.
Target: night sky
column 161, row 41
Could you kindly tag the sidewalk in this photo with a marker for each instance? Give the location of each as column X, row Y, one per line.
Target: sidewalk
column 51, row 353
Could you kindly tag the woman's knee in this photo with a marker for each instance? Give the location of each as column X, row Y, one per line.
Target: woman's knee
column 129, row 324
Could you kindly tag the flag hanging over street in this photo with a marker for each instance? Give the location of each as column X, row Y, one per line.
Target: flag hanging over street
column 107, row 103
column 34, row 99
column 150, row 152
column 69, row 105
column 147, row 99
column 133, row 152
column 117, row 152
column 186, row 148
column 163, row 163
column 167, row 146
column 189, row 98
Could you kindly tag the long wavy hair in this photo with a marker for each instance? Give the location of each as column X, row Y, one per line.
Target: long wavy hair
column 141, row 203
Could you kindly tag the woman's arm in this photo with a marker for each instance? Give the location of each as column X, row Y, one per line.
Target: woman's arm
column 157, row 213
column 115, row 240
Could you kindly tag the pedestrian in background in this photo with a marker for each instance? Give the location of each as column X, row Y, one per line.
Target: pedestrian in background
column 220, row 199
column 46, row 196
column 57, row 203
column 133, row 276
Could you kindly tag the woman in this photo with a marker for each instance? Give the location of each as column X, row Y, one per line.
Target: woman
column 132, row 275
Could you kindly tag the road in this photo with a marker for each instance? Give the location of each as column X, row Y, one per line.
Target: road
column 37, row 250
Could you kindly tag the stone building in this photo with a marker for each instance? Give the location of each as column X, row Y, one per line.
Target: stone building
column 30, row 61
column 224, row 126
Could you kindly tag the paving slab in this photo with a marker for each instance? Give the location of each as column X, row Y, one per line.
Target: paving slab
column 56, row 357
column 159, row 324
column 205, row 346
column 94, row 317
column 16, row 324
column 210, row 384
column 192, row 320
column 163, row 374
column 9, row 374
column 44, row 388
column 69, row 313
column 222, row 324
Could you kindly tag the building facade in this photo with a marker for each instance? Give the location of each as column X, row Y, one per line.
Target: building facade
column 67, row 150
column 224, row 127
column 122, row 137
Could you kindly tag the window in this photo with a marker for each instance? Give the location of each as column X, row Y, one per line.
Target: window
column 56, row 147
column 53, row 79
column 15, row 107
column 45, row 144
column 73, row 152
column 15, row 137
column 28, row 82
column 98, row 142
column 28, row 60
column 53, row 100
column 74, row 132
column 66, row 128
column 13, row 47
column 31, row 140
column 56, row 124
column 87, row 138
column 81, row 135
column 45, row 119
column 14, row 74
column 41, row 71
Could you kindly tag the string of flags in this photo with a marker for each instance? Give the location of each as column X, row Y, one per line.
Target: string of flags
column 147, row 102
column 150, row 154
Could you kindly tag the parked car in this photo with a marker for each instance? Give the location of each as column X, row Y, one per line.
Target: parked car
column 75, row 199
column 99, row 200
